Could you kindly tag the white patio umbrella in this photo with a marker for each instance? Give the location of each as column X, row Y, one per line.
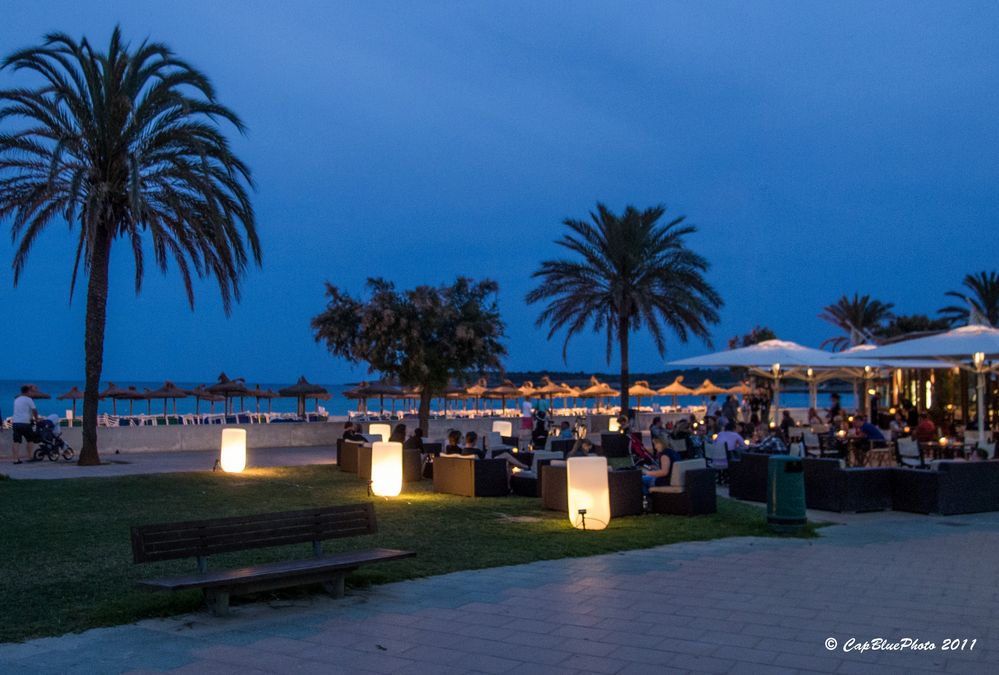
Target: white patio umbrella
column 775, row 359
column 973, row 348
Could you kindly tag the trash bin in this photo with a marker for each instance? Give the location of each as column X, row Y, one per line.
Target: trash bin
column 785, row 494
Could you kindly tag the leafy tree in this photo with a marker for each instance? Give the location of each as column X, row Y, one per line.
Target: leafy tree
column 979, row 304
column 424, row 336
column 123, row 144
column 757, row 335
column 911, row 323
column 859, row 317
column 626, row 272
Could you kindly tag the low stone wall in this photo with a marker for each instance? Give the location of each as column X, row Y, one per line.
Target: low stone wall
column 197, row 437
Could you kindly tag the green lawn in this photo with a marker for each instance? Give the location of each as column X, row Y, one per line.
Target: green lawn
column 65, row 556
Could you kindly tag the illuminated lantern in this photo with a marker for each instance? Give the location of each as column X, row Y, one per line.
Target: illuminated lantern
column 503, row 428
column 233, row 455
column 386, row 469
column 589, row 493
column 383, row 430
column 614, row 425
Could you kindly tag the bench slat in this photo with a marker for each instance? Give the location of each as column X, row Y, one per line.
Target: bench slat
column 169, row 541
column 289, row 569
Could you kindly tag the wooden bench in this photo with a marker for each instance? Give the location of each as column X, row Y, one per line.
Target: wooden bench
column 203, row 538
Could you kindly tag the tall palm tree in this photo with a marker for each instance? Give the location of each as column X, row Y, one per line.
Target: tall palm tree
column 859, row 317
column 982, row 300
column 123, row 144
column 625, row 272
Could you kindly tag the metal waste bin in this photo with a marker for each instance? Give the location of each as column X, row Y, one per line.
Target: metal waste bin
column 785, row 494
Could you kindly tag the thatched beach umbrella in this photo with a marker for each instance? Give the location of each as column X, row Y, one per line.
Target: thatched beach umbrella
column 114, row 393
column 709, row 388
column 35, row 392
column 503, row 392
column 200, row 395
column 73, row 395
column 302, row 390
column 549, row 389
column 598, row 390
column 641, row 390
column 675, row 389
column 381, row 389
column 168, row 391
column 230, row 389
column 258, row 393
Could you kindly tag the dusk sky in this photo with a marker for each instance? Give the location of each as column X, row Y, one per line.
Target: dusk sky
column 820, row 148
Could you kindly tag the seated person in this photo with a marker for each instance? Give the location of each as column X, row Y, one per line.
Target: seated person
column 398, row 434
column 868, row 431
column 582, row 448
column 414, row 442
column 730, row 438
column 813, row 417
column 656, row 429
column 453, row 446
column 681, row 431
column 471, row 439
column 897, row 426
column 623, row 424
column 664, row 459
column 351, row 433
column 564, row 432
column 926, row 430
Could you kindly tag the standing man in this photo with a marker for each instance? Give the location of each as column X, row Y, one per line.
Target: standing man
column 24, row 414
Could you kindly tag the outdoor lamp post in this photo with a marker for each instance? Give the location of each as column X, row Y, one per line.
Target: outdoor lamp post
column 588, row 492
column 775, row 369
column 386, row 469
column 813, row 389
column 233, row 452
column 979, row 360
column 383, row 430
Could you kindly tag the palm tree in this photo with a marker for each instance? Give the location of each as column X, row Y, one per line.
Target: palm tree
column 859, row 317
column 626, row 271
column 123, row 144
column 980, row 305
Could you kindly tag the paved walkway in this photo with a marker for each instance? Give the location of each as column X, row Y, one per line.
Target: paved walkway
column 746, row 605
column 132, row 463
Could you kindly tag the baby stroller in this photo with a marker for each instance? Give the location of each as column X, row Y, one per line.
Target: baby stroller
column 49, row 439
column 640, row 457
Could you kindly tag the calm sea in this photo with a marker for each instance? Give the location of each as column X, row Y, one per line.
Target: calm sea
column 338, row 404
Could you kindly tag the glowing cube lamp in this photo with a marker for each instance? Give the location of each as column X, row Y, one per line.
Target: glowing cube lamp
column 383, row 430
column 613, row 425
column 503, row 428
column 233, row 455
column 386, row 469
column 589, row 493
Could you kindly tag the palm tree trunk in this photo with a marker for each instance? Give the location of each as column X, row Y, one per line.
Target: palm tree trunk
column 424, row 415
column 97, row 301
column 625, row 372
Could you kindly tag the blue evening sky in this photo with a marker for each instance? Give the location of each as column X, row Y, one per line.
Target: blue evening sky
column 821, row 148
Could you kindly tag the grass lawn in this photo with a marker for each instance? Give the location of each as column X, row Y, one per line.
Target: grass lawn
column 65, row 557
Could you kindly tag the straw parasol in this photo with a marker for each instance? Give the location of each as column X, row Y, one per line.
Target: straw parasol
column 641, row 389
column 503, row 391
column 741, row 388
column 381, row 389
column 302, row 390
column 35, row 392
column 200, row 395
column 258, row 393
column 709, row 388
column 527, row 388
column 73, row 395
column 168, row 391
column 675, row 389
column 114, row 393
column 598, row 390
column 549, row 389
column 230, row 389
column 477, row 390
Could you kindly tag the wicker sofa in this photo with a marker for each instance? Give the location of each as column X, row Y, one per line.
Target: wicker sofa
column 691, row 491
column 747, row 477
column 948, row 488
column 470, row 477
column 831, row 487
column 614, row 444
column 625, row 490
column 346, row 455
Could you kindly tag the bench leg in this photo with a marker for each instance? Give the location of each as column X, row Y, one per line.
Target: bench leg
column 336, row 586
column 218, row 601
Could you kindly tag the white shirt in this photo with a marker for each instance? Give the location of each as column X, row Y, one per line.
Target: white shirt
column 23, row 409
column 527, row 410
